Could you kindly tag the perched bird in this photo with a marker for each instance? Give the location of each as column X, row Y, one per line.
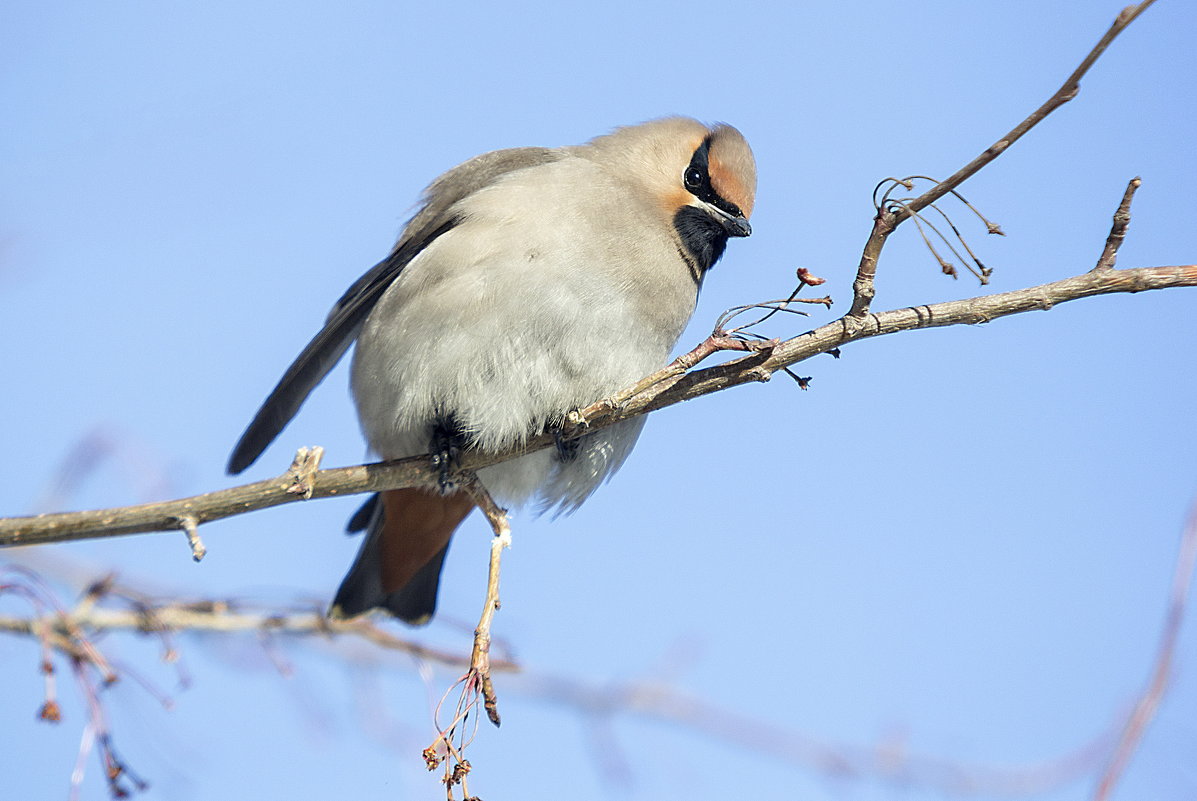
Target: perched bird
column 531, row 282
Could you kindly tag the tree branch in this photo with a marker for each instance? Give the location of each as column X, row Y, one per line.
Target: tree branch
column 666, row 388
column 1109, row 253
column 887, row 221
column 64, row 630
column 1149, row 700
column 71, row 631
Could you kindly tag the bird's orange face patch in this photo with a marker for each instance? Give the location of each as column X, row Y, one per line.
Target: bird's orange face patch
column 732, row 167
column 729, row 184
column 675, row 199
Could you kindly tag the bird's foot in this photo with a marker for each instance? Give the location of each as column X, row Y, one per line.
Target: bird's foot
column 445, row 447
column 567, row 449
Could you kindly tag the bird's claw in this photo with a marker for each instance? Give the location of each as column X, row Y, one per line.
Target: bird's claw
column 567, row 449
column 446, row 454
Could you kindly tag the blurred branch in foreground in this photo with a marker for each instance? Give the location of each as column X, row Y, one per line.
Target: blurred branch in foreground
column 107, row 608
column 1149, row 700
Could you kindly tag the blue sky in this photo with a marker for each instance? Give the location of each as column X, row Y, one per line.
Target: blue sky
column 958, row 543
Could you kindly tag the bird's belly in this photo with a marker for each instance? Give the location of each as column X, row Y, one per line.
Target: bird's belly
column 500, row 366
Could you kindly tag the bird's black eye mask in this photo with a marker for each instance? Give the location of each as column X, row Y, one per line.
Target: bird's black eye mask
column 697, row 180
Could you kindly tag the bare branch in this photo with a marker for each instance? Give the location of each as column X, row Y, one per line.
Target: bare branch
column 476, row 687
column 191, row 528
column 665, row 388
column 1109, row 254
column 65, row 631
column 887, row 221
column 887, row 761
column 1149, row 701
column 654, row 700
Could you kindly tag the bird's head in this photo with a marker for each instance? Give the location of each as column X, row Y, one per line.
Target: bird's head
column 702, row 177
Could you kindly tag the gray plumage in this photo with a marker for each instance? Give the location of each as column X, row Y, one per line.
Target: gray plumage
column 531, row 282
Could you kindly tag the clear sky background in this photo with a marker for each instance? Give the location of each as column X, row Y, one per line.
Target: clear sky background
column 957, row 544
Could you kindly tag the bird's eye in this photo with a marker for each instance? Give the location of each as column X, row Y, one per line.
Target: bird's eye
column 692, row 178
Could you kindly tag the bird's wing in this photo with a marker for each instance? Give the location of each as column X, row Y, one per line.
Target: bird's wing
column 435, row 217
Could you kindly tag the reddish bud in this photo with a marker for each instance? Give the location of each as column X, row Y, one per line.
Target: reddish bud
column 804, row 275
column 50, row 712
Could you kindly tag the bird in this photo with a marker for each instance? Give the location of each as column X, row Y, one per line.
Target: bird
column 530, row 282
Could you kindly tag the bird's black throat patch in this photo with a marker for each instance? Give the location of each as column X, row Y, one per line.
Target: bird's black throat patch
column 702, row 235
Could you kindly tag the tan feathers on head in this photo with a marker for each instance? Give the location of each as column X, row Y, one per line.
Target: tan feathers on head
column 658, row 151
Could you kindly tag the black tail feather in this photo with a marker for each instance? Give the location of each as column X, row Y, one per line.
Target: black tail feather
column 361, row 590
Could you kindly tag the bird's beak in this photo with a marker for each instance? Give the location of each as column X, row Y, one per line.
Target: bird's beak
column 735, row 225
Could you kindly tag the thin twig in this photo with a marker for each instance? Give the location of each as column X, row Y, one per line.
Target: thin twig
column 1147, row 704
column 981, row 271
column 480, row 655
column 886, row 222
column 64, row 630
column 1109, row 253
column 191, row 526
column 447, row 751
column 990, row 227
column 891, row 763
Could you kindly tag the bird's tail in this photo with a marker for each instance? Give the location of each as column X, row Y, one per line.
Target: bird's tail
column 399, row 565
